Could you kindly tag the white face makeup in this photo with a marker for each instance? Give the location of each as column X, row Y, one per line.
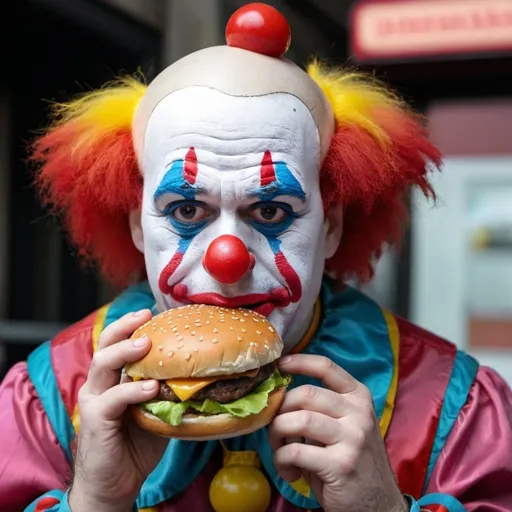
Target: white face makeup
column 215, row 165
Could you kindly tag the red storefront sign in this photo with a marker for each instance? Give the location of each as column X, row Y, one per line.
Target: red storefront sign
column 397, row 30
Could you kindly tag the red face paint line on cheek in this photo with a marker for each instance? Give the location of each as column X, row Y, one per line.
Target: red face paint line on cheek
column 290, row 276
column 168, row 271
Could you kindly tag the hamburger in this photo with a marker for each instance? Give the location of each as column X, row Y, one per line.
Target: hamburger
column 217, row 372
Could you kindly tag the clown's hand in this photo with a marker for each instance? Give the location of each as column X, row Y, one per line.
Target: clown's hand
column 342, row 455
column 114, row 456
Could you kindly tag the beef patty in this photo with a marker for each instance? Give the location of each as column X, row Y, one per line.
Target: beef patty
column 222, row 391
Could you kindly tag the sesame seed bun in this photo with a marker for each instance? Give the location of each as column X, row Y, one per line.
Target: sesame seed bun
column 205, row 341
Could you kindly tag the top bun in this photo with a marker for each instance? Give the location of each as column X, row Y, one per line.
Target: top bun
column 205, row 341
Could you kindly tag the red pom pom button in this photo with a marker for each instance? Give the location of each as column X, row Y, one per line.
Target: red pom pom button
column 259, row 28
column 227, row 259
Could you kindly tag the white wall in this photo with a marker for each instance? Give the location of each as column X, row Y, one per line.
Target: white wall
column 447, row 282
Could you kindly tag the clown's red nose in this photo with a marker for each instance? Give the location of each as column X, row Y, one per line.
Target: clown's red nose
column 227, row 259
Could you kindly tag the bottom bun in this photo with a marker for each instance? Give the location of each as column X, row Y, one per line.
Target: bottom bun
column 206, row 428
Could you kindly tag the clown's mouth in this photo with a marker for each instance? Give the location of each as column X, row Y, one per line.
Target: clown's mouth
column 262, row 303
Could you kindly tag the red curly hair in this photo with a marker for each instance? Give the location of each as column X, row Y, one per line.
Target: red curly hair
column 88, row 173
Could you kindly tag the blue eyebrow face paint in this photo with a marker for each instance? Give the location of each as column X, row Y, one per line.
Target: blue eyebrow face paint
column 276, row 180
column 180, row 179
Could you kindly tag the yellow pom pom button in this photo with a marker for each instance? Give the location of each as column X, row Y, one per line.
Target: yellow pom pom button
column 240, row 486
column 240, row 489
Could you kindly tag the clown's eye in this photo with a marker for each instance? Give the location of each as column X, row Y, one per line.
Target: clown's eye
column 269, row 214
column 189, row 213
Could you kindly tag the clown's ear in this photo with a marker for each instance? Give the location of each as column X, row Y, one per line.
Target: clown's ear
column 380, row 150
column 87, row 173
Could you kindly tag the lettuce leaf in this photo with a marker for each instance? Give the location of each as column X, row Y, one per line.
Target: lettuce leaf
column 253, row 403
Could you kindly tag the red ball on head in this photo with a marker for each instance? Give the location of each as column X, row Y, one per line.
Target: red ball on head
column 227, row 259
column 259, row 28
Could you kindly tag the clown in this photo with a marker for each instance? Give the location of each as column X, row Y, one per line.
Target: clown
column 237, row 179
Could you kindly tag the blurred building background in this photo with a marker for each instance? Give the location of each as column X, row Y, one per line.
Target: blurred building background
column 450, row 58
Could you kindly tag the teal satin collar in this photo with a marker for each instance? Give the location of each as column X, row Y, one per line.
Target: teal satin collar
column 353, row 333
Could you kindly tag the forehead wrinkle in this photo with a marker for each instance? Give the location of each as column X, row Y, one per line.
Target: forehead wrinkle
column 274, row 95
column 224, row 128
column 218, row 147
column 284, row 126
column 229, row 120
column 220, row 139
column 250, row 164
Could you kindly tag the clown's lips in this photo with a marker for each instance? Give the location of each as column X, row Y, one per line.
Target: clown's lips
column 262, row 303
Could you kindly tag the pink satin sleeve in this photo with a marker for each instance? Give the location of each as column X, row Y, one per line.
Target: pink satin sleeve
column 475, row 465
column 31, row 459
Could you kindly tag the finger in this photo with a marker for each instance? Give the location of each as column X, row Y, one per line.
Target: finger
column 290, row 440
column 123, row 328
column 106, row 364
column 304, row 457
column 289, row 473
column 114, row 401
column 316, row 399
column 322, row 368
column 307, row 424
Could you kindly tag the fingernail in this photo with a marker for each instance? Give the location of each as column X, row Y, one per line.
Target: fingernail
column 148, row 385
column 138, row 313
column 140, row 342
column 285, row 359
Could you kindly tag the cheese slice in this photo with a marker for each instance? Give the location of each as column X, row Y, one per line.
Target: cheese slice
column 184, row 389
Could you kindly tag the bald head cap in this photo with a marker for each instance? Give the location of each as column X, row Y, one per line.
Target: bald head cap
column 236, row 72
